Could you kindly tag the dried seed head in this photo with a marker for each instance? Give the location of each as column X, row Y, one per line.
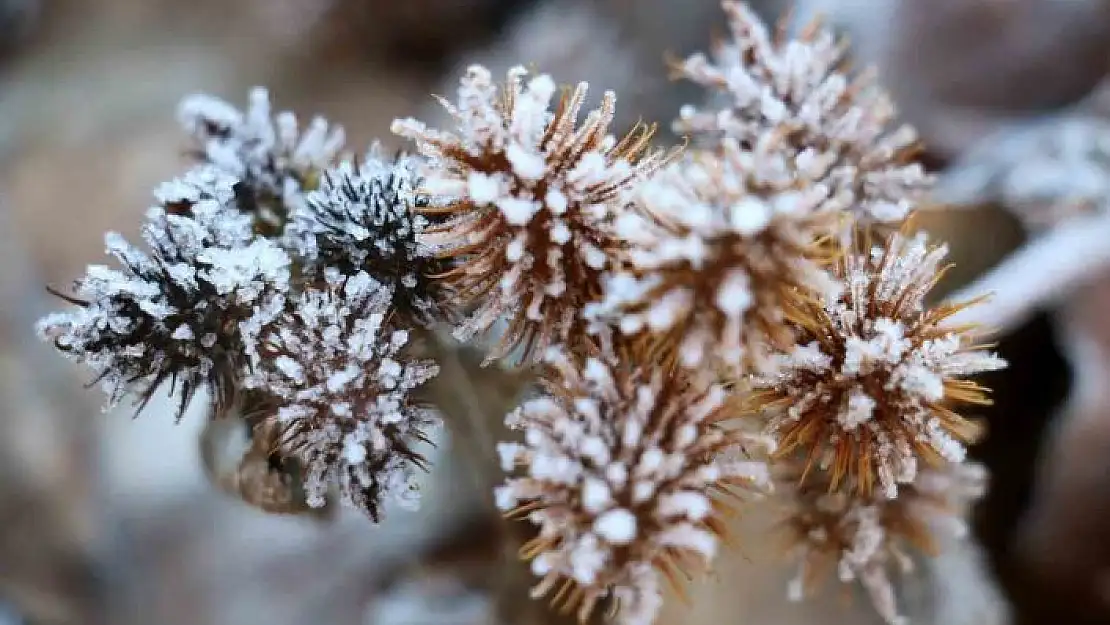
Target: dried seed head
column 174, row 314
column 343, row 392
column 864, row 539
column 799, row 93
column 870, row 388
column 528, row 198
column 720, row 241
column 625, row 471
column 274, row 162
column 362, row 218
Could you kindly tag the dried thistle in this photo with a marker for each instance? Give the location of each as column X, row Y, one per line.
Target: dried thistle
column 528, row 196
column 363, row 218
column 721, row 241
column 342, row 393
column 865, row 539
column 274, row 162
column 174, row 314
column 871, row 385
column 798, row 93
column 626, row 473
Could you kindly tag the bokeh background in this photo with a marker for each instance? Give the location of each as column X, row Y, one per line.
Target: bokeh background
column 109, row 520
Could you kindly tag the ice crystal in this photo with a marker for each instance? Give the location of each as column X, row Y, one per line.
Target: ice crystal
column 529, row 195
column 870, row 388
column 624, row 469
column 343, row 392
column 274, row 161
column 866, row 540
column 363, row 218
column 173, row 314
column 799, row 92
column 721, row 240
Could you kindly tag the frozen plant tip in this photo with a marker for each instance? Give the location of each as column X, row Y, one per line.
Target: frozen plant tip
column 625, row 471
column 274, row 162
column 798, row 93
column 363, row 218
column 719, row 242
column 869, row 389
column 174, row 314
column 528, row 197
column 341, row 392
column 865, row 540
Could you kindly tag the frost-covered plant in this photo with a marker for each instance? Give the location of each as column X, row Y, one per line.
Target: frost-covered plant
column 173, row 314
column 274, row 162
column 529, row 196
column 870, row 387
column 866, row 539
column 798, row 93
column 626, row 469
column 341, row 392
column 656, row 298
column 719, row 242
column 363, row 217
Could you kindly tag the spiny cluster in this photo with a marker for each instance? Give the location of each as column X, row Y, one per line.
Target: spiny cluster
column 342, row 388
column 797, row 96
column 273, row 161
column 528, row 197
column 173, row 313
column 625, row 471
column 866, row 539
column 362, row 217
column 720, row 242
column 271, row 259
column 869, row 389
column 650, row 293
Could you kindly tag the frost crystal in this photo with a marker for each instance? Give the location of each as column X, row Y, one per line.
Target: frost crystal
column 869, row 389
column 723, row 239
column 342, row 389
column 867, row 539
column 623, row 472
column 274, row 161
column 798, row 93
column 529, row 198
column 173, row 314
column 362, row 218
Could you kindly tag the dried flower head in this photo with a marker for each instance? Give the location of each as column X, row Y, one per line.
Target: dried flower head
column 720, row 240
column 528, row 198
column 343, row 392
column 865, row 539
column 871, row 386
column 625, row 472
column 363, row 218
column 274, row 162
column 799, row 93
column 174, row 314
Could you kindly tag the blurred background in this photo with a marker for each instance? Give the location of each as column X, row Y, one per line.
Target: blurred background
column 105, row 519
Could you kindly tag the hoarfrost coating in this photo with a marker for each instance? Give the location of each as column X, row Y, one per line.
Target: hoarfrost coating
column 869, row 539
column 620, row 469
column 714, row 252
column 797, row 93
column 343, row 392
column 529, row 195
column 173, row 314
column 274, row 160
column 363, row 217
column 868, row 392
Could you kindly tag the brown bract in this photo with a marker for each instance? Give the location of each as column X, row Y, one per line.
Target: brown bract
column 628, row 473
column 524, row 197
column 873, row 384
